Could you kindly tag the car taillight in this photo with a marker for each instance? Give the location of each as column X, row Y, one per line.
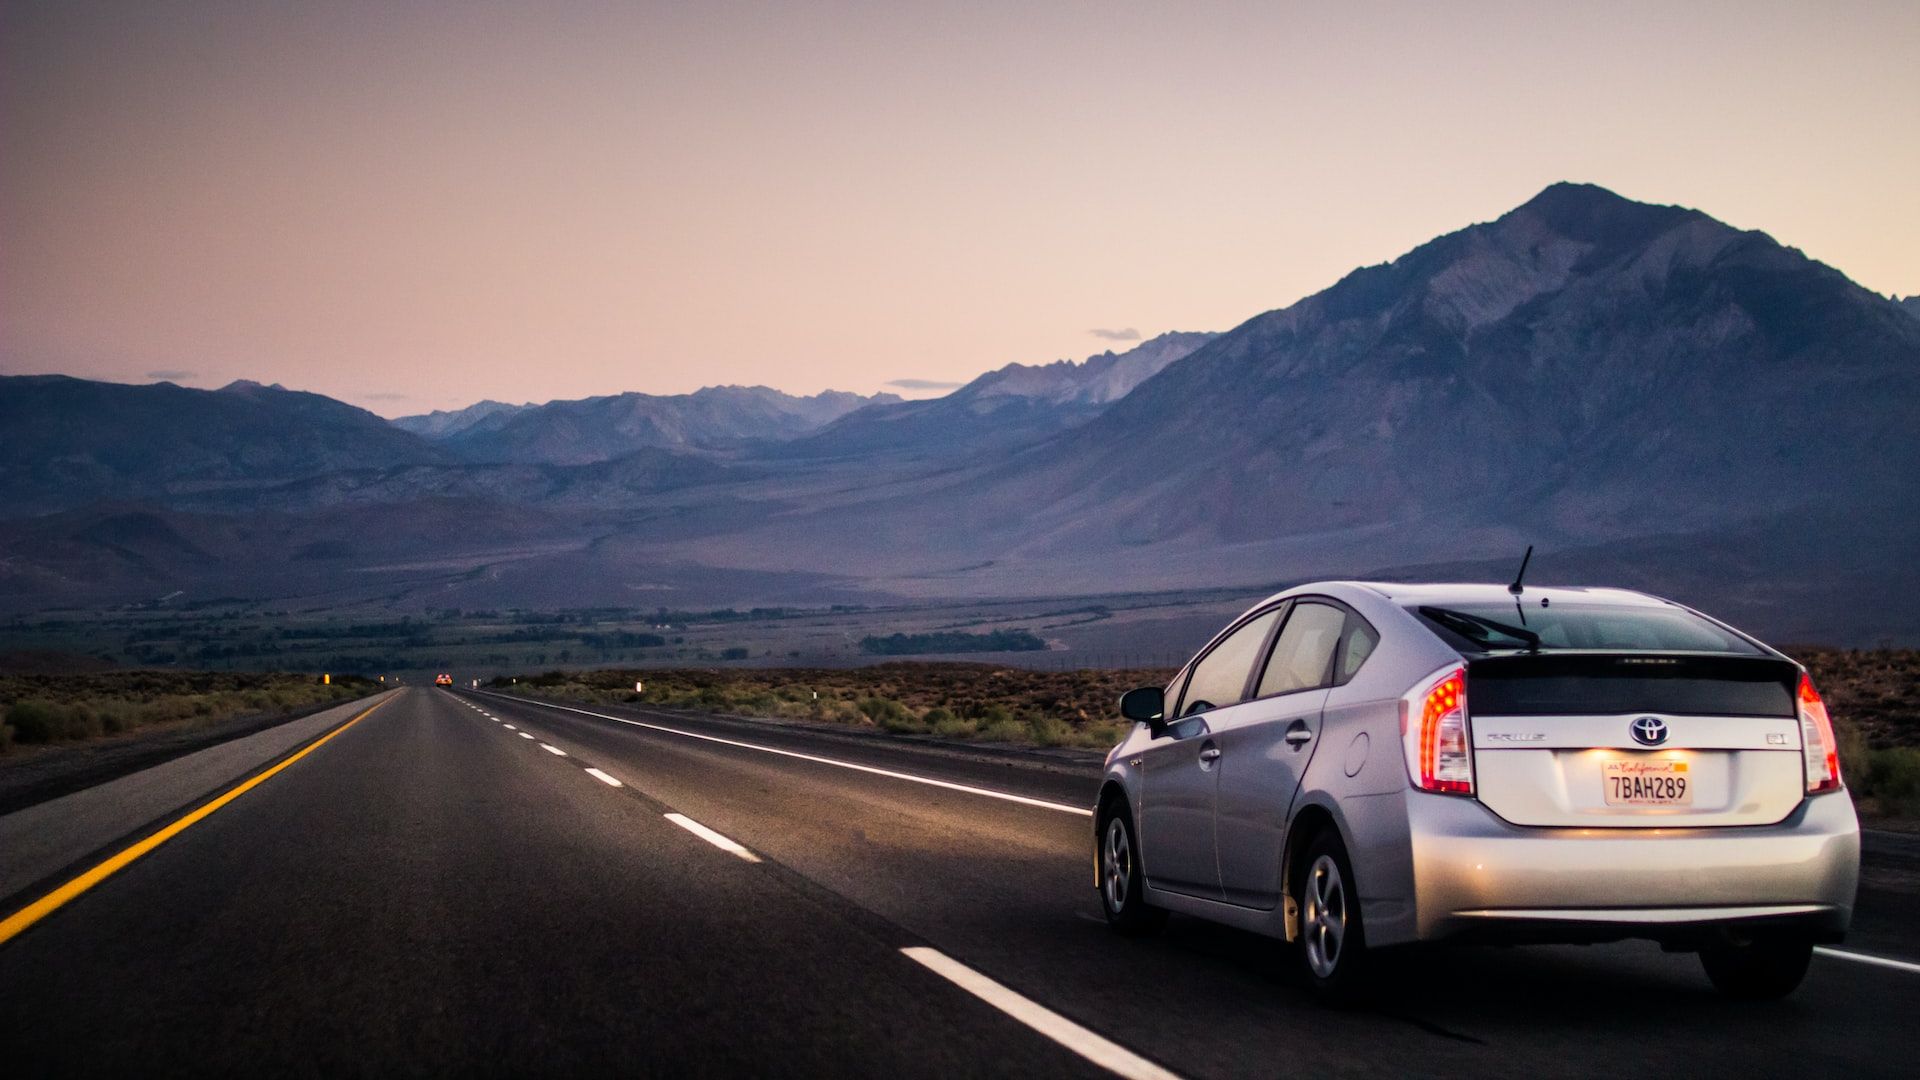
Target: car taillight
column 1816, row 740
column 1433, row 727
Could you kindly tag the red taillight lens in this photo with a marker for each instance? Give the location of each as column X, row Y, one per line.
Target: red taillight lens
column 1816, row 740
column 1433, row 726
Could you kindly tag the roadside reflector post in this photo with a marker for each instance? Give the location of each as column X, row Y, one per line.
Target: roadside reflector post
column 326, row 680
column 639, row 687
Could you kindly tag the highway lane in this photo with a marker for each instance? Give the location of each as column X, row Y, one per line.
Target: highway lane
column 1006, row 887
column 457, row 884
column 427, row 893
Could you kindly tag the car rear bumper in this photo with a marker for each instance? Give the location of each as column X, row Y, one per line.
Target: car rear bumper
column 1477, row 876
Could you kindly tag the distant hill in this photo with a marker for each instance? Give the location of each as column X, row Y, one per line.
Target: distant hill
column 1912, row 306
column 1585, row 368
column 1000, row 411
column 603, row 428
column 443, row 423
column 70, row 442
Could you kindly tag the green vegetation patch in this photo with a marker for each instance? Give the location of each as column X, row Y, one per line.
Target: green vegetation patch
column 951, row 641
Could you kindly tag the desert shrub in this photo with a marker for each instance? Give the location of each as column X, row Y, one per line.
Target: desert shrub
column 1891, row 779
column 1006, row 731
column 875, row 708
column 37, row 721
column 6, row 737
column 952, row 727
column 1049, row 730
column 116, row 718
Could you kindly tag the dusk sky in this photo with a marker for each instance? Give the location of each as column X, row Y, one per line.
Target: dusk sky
column 416, row 206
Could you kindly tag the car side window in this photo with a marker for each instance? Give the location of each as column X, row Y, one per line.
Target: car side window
column 1220, row 677
column 1303, row 656
column 1358, row 644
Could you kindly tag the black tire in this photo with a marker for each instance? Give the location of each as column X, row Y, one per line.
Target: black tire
column 1121, row 884
column 1330, row 940
column 1758, row 968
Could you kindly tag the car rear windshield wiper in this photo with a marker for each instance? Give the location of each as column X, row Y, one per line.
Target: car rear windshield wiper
column 1475, row 627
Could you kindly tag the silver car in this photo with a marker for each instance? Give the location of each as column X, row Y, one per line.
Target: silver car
column 1353, row 765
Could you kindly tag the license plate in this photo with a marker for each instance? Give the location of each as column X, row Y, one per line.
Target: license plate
column 1645, row 782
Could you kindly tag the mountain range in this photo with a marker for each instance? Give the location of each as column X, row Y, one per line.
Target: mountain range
column 1648, row 394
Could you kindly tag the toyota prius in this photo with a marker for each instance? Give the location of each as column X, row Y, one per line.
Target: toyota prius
column 1351, row 766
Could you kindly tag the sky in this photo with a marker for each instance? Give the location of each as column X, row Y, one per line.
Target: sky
column 417, row 206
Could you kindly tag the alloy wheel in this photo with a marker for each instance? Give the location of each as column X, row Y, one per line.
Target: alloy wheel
column 1118, row 872
column 1323, row 919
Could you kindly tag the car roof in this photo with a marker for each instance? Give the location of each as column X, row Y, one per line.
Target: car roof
column 1443, row 593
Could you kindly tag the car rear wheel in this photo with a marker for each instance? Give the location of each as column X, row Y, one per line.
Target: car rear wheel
column 1122, row 885
column 1332, row 942
column 1759, row 967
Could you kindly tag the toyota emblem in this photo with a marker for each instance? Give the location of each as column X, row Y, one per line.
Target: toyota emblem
column 1648, row 731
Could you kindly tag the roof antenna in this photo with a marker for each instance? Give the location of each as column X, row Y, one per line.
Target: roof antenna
column 1517, row 588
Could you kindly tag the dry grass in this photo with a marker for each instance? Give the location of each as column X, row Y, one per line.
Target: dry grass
column 40, row 709
column 956, row 701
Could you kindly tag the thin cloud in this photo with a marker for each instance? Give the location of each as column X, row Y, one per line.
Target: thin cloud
column 1127, row 334
column 172, row 374
column 925, row 384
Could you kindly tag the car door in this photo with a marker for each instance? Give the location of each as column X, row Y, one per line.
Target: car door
column 1177, row 770
column 1264, row 749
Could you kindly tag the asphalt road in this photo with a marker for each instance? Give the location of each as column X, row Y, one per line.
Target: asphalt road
column 433, row 891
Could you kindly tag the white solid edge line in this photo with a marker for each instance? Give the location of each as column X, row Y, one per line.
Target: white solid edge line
column 1101, row 1051
column 552, row 749
column 1868, row 958
column 711, row 837
column 928, row 780
column 604, row 778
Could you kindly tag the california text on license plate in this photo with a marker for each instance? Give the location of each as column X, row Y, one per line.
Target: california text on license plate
column 1646, row 782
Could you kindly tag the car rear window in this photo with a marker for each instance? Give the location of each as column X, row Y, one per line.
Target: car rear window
column 1601, row 684
column 1582, row 626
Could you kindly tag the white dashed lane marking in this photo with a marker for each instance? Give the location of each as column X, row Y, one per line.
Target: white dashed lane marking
column 711, row 837
column 604, row 778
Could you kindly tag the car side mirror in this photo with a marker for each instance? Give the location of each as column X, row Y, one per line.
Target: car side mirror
column 1148, row 703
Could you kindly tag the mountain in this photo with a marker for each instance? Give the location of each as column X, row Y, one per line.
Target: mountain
column 1583, row 369
column 444, row 423
column 1912, row 306
column 1002, row 410
column 1653, row 397
column 603, row 428
column 70, row 442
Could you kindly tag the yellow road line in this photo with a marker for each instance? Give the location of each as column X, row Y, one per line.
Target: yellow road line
column 12, row 925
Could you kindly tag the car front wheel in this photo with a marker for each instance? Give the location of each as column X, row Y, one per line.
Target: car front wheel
column 1122, row 895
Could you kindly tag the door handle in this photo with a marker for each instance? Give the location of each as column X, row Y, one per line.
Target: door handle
column 1210, row 754
column 1297, row 734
